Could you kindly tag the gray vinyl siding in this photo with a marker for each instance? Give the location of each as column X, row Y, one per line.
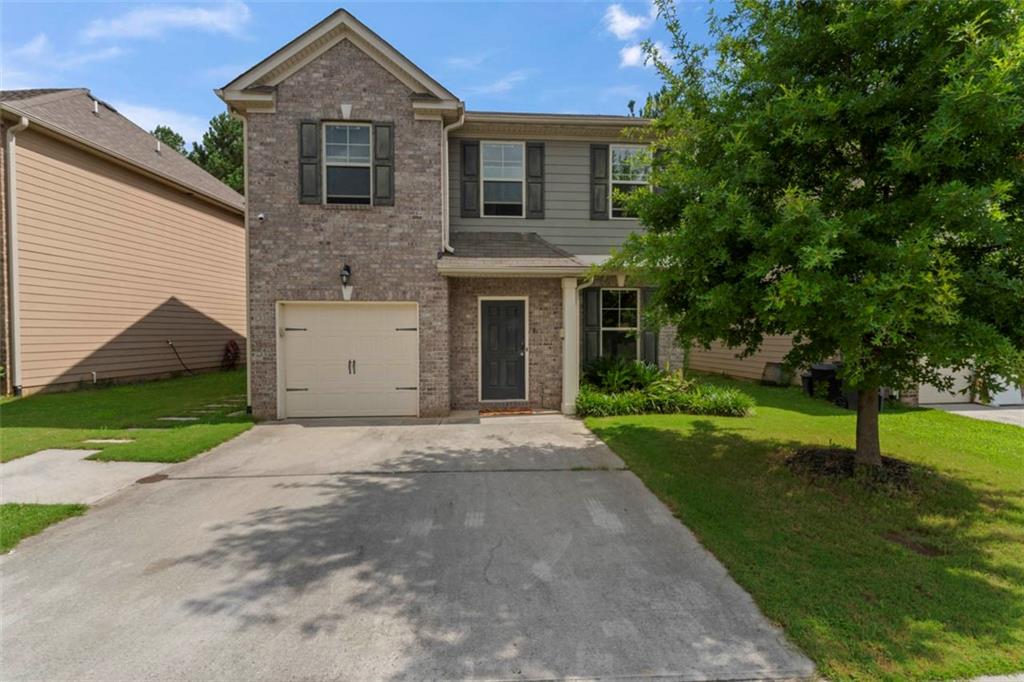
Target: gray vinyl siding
column 566, row 221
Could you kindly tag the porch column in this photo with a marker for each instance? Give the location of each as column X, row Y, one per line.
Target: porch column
column 570, row 345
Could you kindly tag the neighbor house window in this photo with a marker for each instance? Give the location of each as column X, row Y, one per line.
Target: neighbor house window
column 347, row 163
column 629, row 171
column 620, row 323
column 503, row 178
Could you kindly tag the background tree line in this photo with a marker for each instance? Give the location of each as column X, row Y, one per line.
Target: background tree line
column 219, row 153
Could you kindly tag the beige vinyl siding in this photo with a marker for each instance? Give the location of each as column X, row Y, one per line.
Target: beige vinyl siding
column 722, row 360
column 114, row 264
column 566, row 222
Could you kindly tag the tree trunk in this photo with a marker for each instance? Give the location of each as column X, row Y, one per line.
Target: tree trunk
column 869, row 450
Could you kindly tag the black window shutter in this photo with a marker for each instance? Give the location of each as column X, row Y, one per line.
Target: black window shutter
column 384, row 164
column 469, row 163
column 648, row 333
column 309, row 162
column 599, row 182
column 590, row 339
column 535, row 180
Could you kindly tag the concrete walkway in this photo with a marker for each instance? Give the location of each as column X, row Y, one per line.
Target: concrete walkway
column 515, row 548
column 1010, row 414
column 66, row 476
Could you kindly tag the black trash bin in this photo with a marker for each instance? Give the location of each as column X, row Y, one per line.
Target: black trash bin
column 826, row 373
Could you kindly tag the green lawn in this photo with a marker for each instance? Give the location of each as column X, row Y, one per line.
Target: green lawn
column 814, row 555
column 65, row 420
column 18, row 521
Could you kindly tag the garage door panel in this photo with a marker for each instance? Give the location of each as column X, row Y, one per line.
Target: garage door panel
column 379, row 338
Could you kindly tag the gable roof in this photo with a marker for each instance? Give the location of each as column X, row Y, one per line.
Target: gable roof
column 70, row 114
column 254, row 88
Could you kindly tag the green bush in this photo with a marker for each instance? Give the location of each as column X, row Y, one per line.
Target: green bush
column 616, row 374
column 669, row 394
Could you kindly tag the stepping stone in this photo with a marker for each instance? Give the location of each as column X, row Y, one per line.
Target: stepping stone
column 177, row 419
column 236, row 414
column 109, row 440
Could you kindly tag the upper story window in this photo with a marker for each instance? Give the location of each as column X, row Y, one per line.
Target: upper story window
column 629, row 171
column 503, row 177
column 620, row 323
column 347, row 163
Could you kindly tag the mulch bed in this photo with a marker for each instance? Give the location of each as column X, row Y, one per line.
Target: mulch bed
column 840, row 463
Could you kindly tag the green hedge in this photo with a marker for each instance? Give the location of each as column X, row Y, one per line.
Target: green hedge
column 691, row 398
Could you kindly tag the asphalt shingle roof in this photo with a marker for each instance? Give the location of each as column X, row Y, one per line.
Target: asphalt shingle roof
column 71, row 111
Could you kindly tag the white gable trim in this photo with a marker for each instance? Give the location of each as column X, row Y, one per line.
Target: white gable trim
column 337, row 27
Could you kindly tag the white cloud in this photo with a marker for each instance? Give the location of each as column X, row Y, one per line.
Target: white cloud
column 187, row 125
column 633, row 55
column 38, row 63
column 229, row 18
column 624, row 25
column 472, row 61
column 501, row 85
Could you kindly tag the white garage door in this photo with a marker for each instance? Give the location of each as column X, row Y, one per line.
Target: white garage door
column 350, row 359
column 928, row 394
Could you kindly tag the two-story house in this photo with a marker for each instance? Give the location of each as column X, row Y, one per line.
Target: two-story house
column 409, row 257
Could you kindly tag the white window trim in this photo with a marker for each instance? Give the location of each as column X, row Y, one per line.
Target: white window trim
column 522, row 179
column 480, row 348
column 612, row 181
column 603, row 329
column 325, row 163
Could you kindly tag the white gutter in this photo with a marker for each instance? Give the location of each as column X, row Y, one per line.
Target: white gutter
column 12, row 255
column 446, row 246
column 245, row 227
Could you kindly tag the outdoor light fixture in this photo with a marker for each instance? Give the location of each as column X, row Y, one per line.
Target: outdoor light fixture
column 346, row 288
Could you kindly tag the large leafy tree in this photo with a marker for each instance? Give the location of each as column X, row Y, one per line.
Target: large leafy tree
column 221, row 152
column 851, row 173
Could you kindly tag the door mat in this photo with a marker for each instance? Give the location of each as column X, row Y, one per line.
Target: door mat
column 505, row 411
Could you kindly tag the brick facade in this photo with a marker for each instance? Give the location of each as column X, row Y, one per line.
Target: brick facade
column 296, row 253
column 545, row 338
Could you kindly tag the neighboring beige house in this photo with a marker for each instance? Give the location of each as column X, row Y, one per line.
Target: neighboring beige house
column 113, row 246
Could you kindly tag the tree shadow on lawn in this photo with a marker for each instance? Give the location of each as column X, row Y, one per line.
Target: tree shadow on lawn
column 815, row 555
column 441, row 565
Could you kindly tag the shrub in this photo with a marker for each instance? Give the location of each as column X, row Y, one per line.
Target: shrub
column 670, row 394
column 616, row 374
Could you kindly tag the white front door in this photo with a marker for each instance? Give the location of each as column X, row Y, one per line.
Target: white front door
column 350, row 359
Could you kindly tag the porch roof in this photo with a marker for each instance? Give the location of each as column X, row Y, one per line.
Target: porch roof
column 507, row 254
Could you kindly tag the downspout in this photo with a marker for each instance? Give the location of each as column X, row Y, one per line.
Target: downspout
column 245, row 228
column 12, row 256
column 446, row 191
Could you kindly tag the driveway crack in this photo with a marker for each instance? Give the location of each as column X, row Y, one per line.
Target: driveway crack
column 490, row 560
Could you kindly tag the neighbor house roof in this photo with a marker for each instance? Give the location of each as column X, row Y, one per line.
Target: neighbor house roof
column 75, row 114
column 508, row 253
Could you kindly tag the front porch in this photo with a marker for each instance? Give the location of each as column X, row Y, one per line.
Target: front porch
column 514, row 322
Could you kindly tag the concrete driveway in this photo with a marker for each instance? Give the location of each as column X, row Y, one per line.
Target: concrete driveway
column 515, row 549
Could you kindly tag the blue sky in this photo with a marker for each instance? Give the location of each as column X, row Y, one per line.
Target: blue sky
column 159, row 62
